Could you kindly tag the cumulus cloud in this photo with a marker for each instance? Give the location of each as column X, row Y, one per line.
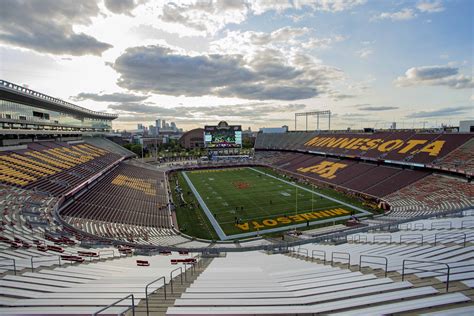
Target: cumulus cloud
column 121, row 6
column 266, row 76
column 285, row 39
column 47, row 26
column 209, row 16
column 112, row 97
column 205, row 16
column 430, row 6
column 435, row 76
column 402, row 15
column 426, row 6
column 443, row 112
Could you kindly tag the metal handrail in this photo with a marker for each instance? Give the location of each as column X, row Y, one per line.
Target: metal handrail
column 444, row 222
column 412, row 235
column 185, row 270
column 467, row 220
column 419, row 224
column 171, row 277
column 146, row 291
column 320, row 251
column 462, row 236
column 341, row 253
column 382, row 236
column 432, row 263
column 359, row 237
column 9, row 265
column 305, row 251
column 406, row 227
column 116, row 302
column 370, row 256
column 47, row 260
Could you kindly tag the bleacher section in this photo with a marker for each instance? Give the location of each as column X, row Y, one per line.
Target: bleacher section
column 360, row 177
column 109, row 145
column 127, row 195
column 53, row 168
column 461, row 158
column 385, row 165
column 255, row 283
column 86, row 288
column 129, row 204
column 405, row 146
column 431, row 194
column 99, row 193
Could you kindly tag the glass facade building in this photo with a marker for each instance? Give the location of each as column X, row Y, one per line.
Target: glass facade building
column 22, row 108
column 12, row 112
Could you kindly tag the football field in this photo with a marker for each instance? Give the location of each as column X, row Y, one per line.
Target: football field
column 242, row 202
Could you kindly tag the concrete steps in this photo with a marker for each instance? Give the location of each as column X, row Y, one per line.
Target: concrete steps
column 157, row 304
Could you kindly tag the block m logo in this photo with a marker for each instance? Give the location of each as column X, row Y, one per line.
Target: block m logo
column 325, row 169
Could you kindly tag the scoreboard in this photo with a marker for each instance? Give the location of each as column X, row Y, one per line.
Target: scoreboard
column 223, row 136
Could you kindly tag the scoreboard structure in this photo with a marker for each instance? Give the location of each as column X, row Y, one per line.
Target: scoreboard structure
column 223, row 138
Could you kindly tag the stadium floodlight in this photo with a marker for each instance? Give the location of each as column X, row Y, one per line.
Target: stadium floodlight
column 314, row 113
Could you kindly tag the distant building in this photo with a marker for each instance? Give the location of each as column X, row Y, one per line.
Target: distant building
column 192, row 139
column 158, row 124
column 466, row 126
column 280, row 130
column 151, row 130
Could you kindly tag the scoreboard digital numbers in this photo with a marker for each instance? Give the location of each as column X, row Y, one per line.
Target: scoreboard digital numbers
column 223, row 136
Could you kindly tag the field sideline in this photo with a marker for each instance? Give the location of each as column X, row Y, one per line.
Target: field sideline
column 244, row 202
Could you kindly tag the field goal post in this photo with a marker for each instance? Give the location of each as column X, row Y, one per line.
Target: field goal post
column 314, row 113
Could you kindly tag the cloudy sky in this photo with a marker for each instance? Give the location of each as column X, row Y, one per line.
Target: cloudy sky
column 250, row 62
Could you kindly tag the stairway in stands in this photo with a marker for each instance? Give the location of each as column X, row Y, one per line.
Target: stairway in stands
column 156, row 302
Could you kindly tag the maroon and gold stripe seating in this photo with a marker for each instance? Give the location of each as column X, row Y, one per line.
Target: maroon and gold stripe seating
column 127, row 195
column 461, row 158
column 54, row 168
column 431, row 194
column 368, row 178
column 398, row 145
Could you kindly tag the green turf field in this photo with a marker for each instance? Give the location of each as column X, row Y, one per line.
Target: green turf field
column 247, row 200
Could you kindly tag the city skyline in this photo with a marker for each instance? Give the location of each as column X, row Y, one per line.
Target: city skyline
column 253, row 63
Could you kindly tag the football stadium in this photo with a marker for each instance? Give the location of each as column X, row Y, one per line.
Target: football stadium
column 217, row 219
column 313, row 223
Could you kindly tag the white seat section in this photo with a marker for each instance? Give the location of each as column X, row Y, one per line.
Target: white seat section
column 91, row 285
column 460, row 311
column 58, row 310
column 469, row 283
column 312, row 291
column 318, row 308
column 407, row 306
column 293, row 301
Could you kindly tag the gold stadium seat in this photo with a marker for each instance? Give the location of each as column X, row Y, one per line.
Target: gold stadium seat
column 49, row 160
column 20, row 168
column 46, row 168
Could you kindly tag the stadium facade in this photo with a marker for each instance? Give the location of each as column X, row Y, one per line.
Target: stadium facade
column 27, row 112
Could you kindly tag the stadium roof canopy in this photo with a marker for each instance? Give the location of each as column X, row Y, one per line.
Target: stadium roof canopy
column 12, row 92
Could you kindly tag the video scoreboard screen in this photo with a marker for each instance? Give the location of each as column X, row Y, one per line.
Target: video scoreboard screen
column 223, row 136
